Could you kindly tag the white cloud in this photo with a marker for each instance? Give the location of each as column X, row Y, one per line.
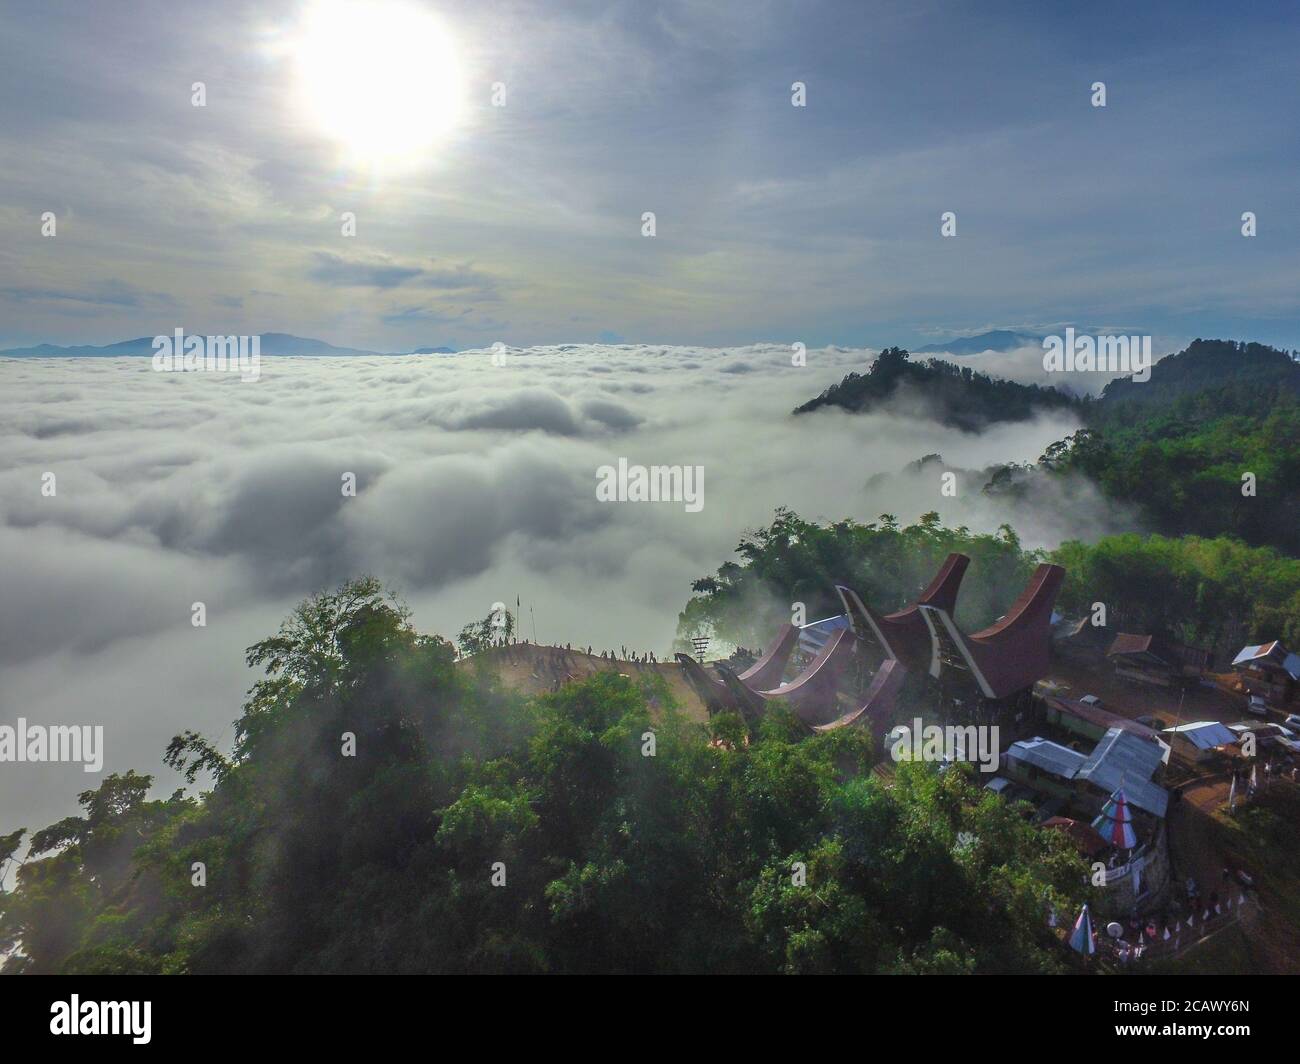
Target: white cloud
column 475, row 483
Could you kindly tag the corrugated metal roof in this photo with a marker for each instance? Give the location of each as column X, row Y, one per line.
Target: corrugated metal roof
column 1046, row 755
column 1274, row 652
column 1123, row 759
column 1259, row 650
column 1205, row 734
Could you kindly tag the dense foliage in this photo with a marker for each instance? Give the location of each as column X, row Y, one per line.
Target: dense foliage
column 1175, row 447
column 797, row 561
column 1216, row 593
column 1221, row 376
column 314, row 861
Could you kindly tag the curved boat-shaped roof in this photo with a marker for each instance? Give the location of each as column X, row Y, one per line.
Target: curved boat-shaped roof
column 904, row 635
column 1011, row 653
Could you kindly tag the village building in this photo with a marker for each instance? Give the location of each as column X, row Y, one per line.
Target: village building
column 1202, row 740
column 1270, row 671
column 1151, row 659
column 1043, row 766
column 1121, row 759
column 1269, row 737
column 1125, row 761
column 1088, row 720
column 1123, row 768
column 1081, row 640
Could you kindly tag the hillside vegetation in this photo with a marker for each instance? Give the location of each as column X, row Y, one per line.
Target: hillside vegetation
column 781, row 855
column 1215, row 592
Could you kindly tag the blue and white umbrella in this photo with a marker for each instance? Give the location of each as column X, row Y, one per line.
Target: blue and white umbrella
column 1081, row 937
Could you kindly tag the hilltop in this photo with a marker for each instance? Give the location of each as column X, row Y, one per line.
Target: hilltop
column 1233, row 376
column 960, row 396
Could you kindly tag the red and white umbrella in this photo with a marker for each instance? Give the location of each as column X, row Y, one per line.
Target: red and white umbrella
column 1115, row 824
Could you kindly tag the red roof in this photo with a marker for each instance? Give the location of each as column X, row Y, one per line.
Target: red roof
column 1130, row 644
column 1102, row 718
column 1165, row 650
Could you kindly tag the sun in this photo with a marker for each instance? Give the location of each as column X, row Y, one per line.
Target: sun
column 379, row 77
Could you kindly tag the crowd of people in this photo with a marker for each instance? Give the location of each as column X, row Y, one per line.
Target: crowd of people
column 559, row 663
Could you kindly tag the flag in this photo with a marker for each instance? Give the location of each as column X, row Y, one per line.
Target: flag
column 1081, row 938
column 1232, row 794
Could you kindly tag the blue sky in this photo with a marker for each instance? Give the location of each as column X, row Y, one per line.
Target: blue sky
column 523, row 223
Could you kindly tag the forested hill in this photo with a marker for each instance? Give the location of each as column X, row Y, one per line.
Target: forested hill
column 960, row 396
column 1210, row 445
column 1226, row 375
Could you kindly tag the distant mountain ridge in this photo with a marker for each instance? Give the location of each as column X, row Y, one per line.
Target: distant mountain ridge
column 994, row 340
column 273, row 344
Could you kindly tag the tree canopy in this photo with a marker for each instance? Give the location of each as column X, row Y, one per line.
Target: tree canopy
column 473, row 830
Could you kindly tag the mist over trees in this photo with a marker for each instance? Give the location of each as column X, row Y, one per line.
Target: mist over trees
column 1218, row 593
column 473, row 830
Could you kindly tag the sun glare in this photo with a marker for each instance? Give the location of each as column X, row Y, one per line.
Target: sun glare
column 380, row 78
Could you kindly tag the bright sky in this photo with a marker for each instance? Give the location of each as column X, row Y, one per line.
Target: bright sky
column 523, row 222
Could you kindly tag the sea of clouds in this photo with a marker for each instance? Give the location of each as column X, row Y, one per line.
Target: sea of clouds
column 475, row 484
